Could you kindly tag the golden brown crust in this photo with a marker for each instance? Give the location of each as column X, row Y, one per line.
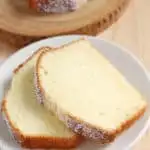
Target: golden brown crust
column 75, row 124
column 41, row 141
column 104, row 136
column 36, row 52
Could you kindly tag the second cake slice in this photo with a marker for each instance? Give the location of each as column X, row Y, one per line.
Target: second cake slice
column 31, row 124
column 87, row 92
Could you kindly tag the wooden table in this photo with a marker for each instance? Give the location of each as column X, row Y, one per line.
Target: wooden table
column 132, row 31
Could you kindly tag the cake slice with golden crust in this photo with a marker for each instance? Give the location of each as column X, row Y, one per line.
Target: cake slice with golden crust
column 87, row 92
column 30, row 123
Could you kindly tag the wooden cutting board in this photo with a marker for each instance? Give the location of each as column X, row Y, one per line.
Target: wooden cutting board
column 95, row 16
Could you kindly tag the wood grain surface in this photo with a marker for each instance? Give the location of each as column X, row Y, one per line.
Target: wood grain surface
column 93, row 17
column 131, row 31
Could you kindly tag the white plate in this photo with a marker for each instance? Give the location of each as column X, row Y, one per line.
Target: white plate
column 123, row 60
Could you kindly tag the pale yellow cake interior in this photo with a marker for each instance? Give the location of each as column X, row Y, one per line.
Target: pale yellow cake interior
column 82, row 82
column 26, row 113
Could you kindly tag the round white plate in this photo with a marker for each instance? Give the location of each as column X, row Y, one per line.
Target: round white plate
column 132, row 69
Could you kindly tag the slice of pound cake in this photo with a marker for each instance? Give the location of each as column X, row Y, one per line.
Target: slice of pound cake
column 31, row 124
column 87, row 92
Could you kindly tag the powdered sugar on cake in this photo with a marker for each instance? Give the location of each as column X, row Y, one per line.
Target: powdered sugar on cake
column 59, row 6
